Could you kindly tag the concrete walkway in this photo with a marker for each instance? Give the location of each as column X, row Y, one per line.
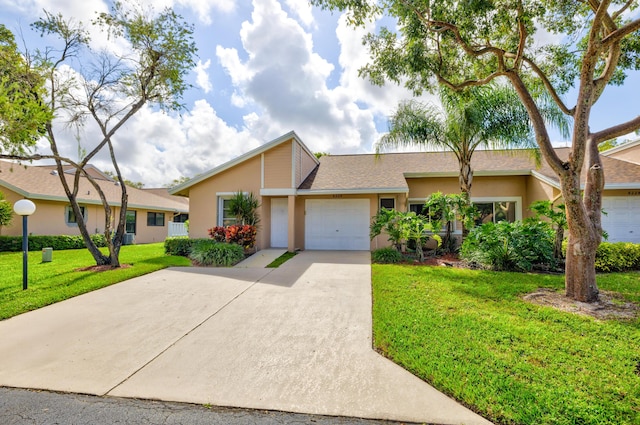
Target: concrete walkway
column 261, row 258
column 296, row 338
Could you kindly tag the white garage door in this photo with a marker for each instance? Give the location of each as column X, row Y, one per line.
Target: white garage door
column 341, row 224
column 622, row 218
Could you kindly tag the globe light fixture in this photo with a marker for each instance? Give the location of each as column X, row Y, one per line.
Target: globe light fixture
column 25, row 208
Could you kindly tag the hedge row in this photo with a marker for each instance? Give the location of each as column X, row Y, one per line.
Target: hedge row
column 180, row 245
column 618, row 257
column 57, row 242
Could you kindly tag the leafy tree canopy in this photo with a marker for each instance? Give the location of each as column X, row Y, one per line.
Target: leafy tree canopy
column 23, row 115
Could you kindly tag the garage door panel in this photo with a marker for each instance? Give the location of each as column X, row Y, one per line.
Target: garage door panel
column 621, row 221
column 341, row 224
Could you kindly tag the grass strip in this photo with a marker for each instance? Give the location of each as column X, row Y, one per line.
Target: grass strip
column 281, row 259
column 470, row 335
column 58, row 280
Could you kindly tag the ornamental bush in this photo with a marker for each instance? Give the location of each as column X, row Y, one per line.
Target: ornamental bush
column 179, row 245
column 207, row 252
column 243, row 235
column 509, row 246
column 386, row 255
column 617, row 257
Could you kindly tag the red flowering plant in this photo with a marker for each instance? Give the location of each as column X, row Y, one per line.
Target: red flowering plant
column 245, row 236
column 218, row 234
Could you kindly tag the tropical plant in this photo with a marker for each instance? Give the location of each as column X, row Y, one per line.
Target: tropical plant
column 509, row 246
column 6, row 212
column 459, row 45
column 244, row 207
column 557, row 215
column 444, row 210
column 414, row 228
column 244, row 235
column 481, row 117
column 387, row 220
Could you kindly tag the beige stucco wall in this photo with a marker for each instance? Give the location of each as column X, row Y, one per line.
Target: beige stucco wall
column 483, row 187
column 50, row 219
column 537, row 190
column 203, row 200
column 630, row 154
column 277, row 167
column 151, row 234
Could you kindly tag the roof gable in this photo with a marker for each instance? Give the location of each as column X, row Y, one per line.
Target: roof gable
column 182, row 189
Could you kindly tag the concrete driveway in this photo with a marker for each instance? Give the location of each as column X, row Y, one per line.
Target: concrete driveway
column 296, row 338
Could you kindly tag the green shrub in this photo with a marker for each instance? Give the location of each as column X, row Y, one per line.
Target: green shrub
column 387, row 255
column 179, row 245
column 509, row 246
column 617, row 257
column 207, row 252
column 57, row 242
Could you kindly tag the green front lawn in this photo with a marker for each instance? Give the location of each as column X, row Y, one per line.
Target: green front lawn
column 469, row 334
column 59, row 280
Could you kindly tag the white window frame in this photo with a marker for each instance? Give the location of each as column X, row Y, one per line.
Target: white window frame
column 68, row 209
column 493, row 199
column 222, row 196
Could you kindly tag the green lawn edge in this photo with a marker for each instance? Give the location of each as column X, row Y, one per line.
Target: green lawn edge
column 470, row 335
column 281, row 259
column 58, row 280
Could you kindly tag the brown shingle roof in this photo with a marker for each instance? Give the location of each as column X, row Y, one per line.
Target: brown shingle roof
column 42, row 183
column 388, row 171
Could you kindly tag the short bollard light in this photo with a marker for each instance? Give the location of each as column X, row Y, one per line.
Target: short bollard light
column 25, row 208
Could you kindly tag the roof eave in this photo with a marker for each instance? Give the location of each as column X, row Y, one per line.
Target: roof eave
column 353, row 191
column 479, row 173
column 621, row 147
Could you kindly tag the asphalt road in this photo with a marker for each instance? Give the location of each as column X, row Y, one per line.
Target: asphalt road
column 21, row 407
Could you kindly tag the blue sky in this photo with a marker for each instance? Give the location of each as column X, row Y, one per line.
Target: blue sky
column 265, row 67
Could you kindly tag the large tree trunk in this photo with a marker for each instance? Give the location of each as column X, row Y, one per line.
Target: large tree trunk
column 580, row 271
column 585, row 231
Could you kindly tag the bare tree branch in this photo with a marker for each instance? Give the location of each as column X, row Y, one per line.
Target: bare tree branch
column 620, row 33
column 617, row 130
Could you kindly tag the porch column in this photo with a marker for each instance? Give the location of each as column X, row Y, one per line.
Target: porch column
column 291, row 243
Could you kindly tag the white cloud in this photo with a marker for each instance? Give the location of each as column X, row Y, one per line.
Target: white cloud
column 202, row 76
column 155, row 147
column 287, row 81
column 353, row 56
column 303, row 9
column 204, row 8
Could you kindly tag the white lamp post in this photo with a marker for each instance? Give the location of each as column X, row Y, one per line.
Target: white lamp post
column 25, row 208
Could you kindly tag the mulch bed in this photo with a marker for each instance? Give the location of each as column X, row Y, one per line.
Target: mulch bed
column 102, row 268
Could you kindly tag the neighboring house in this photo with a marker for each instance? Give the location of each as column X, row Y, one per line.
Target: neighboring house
column 327, row 203
column 149, row 211
column 628, row 151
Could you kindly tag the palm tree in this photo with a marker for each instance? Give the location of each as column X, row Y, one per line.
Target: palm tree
column 244, row 207
column 489, row 116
